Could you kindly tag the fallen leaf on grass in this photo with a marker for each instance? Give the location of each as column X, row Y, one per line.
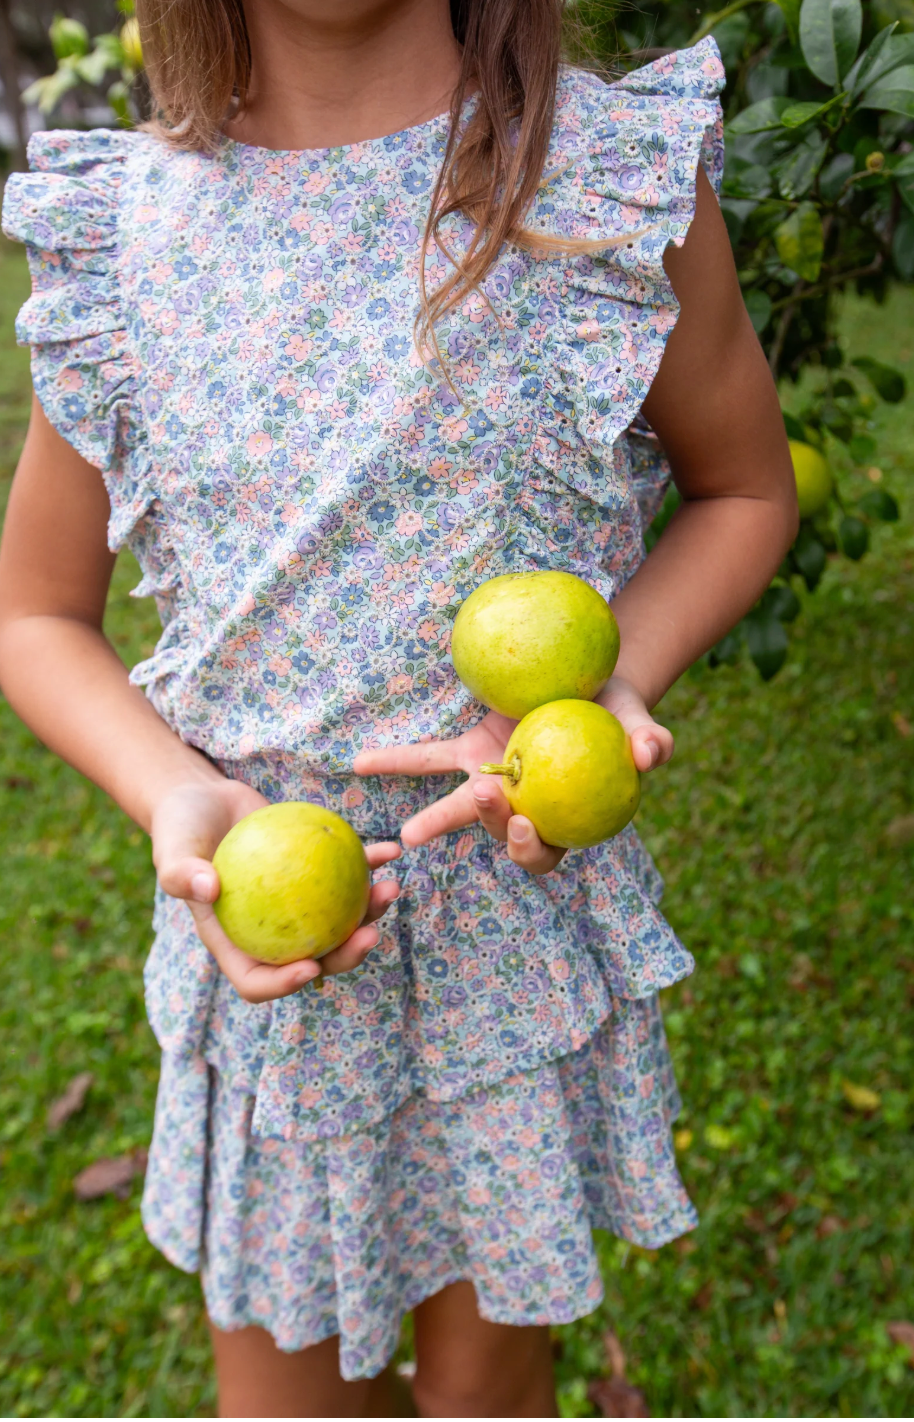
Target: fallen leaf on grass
column 903, row 1333
column 902, row 725
column 900, row 830
column 861, row 1097
column 829, row 1225
column 703, row 1299
column 613, row 1395
column 109, row 1176
column 72, row 1100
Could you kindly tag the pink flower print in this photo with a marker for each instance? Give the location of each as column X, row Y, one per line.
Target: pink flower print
column 280, row 665
column 479, row 1195
column 316, row 182
column 290, row 513
column 146, row 213
column 167, row 321
column 588, row 330
column 439, row 467
column 353, row 242
column 428, row 631
column 69, row 379
column 467, row 370
column 495, row 399
column 293, row 1033
column 298, row 347
column 409, row 522
column 286, row 387
column 463, row 481
column 159, row 272
column 353, row 796
column 560, row 970
column 338, row 410
column 400, row 684
column 259, row 443
column 301, row 222
column 454, row 427
column 321, row 233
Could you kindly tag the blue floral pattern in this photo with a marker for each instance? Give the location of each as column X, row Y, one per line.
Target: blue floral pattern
column 227, row 337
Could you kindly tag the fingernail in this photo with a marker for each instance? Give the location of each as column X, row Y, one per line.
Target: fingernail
column 519, row 833
column 482, row 793
column 201, row 886
column 654, row 750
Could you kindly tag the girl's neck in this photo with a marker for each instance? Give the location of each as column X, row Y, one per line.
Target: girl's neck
column 331, row 72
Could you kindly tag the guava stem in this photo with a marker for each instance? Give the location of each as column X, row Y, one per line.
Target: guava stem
column 511, row 769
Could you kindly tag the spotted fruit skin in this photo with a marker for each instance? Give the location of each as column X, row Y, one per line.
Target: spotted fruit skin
column 523, row 639
column 576, row 780
column 294, row 882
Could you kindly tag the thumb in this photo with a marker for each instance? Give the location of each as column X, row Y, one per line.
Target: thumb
column 189, row 878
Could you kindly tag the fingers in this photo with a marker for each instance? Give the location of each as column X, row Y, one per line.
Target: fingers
column 190, row 878
column 378, row 854
column 527, row 849
column 255, row 982
column 492, row 806
column 382, row 896
column 426, row 758
column 454, row 811
column 652, row 745
column 351, row 953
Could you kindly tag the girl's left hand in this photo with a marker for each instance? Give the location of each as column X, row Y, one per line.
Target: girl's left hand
column 481, row 797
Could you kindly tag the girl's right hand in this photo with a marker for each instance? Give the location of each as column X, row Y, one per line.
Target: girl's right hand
column 187, row 825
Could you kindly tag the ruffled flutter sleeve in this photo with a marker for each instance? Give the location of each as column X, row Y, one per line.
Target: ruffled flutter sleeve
column 65, row 209
column 626, row 162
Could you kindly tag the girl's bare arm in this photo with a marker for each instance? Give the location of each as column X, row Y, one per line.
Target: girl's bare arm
column 67, row 683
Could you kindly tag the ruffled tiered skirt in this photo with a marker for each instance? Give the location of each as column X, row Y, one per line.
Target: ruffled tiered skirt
column 491, row 1085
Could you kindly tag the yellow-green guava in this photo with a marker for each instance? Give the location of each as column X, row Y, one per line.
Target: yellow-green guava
column 813, row 477
column 294, row 882
column 568, row 767
column 523, row 639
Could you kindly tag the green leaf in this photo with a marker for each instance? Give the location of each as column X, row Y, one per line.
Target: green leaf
column 886, row 53
column 794, row 427
column 760, row 117
column 727, row 650
column 93, row 68
column 791, row 12
column 862, row 448
column 68, row 37
column 894, row 92
column 48, row 92
column 808, row 555
column 780, row 601
column 889, row 384
column 795, row 115
column 799, row 241
column 829, row 36
column 767, row 641
column 878, row 503
column 853, row 537
column 758, row 304
column 903, row 245
column 796, row 173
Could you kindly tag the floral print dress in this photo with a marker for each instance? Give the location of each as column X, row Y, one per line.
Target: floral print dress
column 228, row 338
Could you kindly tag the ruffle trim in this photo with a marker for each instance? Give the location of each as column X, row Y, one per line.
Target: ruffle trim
column 432, row 1010
column 66, row 212
column 610, row 315
column 502, row 1187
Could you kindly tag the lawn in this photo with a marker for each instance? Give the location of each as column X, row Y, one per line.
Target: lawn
column 785, row 828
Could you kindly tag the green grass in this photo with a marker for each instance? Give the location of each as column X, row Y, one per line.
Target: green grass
column 777, row 828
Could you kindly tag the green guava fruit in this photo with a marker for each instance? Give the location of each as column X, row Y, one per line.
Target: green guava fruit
column 523, row 639
column 568, row 767
column 294, row 882
column 813, row 477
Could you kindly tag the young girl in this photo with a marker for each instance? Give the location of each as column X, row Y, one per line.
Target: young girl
column 360, row 321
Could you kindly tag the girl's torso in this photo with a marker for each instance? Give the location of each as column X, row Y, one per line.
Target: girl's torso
column 309, row 501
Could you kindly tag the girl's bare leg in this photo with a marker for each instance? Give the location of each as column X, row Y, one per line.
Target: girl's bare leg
column 467, row 1367
column 255, row 1379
